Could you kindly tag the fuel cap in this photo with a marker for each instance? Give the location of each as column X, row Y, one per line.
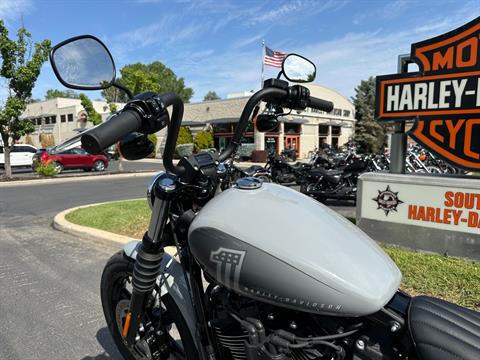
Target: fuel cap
column 249, row 183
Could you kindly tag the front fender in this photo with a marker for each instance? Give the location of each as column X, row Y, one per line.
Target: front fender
column 172, row 281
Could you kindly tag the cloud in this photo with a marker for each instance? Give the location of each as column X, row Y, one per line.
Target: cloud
column 248, row 40
column 341, row 62
column 291, row 9
column 14, row 9
column 344, row 61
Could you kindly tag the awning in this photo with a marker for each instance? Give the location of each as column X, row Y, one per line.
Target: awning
column 222, row 121
column 292, row 120
column 193, row 123
column 37, row 116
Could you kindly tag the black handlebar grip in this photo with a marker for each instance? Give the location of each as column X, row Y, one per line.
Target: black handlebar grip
column 108, row 133
column 320, row 104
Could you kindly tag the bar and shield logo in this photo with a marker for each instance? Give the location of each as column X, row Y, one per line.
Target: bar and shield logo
column 443, row 97
column 228, row 265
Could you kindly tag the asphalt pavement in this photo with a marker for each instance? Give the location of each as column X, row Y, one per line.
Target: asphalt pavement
column 49, row 281
column 128, row 166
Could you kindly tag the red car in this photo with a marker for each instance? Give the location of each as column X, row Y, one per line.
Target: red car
column 75, row 158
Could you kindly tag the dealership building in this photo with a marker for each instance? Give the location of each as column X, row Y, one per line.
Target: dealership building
column 301, row 130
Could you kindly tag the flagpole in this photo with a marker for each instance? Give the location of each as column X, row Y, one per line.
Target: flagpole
column 263, row 57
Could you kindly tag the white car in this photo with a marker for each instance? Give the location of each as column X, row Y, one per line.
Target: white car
column 21, row 155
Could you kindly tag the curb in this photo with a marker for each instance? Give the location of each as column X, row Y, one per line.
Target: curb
column 88, row 233
column 75, row 178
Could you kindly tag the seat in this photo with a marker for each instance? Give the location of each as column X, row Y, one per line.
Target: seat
column 252, row 169
column 332, row 176
column 444, row 331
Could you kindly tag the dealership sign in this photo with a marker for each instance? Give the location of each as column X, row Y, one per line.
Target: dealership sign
column 443, row 97
column 422, row 204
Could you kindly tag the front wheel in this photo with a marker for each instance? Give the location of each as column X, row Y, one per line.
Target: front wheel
column 163, row 332
column 99, row 165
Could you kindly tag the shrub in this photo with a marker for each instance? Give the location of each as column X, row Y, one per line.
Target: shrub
column 153, row 138
column 45, row 168
column 203, row 140
column 184, row 136
column 46, row 140
column 184, row 150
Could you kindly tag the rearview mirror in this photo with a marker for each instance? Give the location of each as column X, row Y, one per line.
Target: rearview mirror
column 299, row 69
column 83, row 63
column 266, row 122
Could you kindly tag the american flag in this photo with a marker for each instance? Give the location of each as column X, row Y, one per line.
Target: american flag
column 273, row 58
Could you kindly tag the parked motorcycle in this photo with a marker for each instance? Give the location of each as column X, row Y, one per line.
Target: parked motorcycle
column 283, row 172
column 287, row 277
column 232, row 173
column 324, row 184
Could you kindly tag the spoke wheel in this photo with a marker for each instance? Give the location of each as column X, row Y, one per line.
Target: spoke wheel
column 163, row 333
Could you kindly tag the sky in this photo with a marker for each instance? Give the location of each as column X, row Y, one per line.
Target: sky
column 217, row 45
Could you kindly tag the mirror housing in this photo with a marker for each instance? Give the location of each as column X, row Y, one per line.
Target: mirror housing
column 298, row 69
column 83, row 63
column 266, row 122
column 136, row 146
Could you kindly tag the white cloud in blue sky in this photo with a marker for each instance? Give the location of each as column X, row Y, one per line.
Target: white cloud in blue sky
column 216, row 45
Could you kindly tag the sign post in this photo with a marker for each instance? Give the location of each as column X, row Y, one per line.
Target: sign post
column 435, row 213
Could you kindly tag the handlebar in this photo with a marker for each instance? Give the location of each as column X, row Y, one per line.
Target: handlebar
column 320, row 104
column 108, row 133
column 129, row 120
column 133, row 119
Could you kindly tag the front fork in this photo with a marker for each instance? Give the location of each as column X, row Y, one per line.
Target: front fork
column 149, row 256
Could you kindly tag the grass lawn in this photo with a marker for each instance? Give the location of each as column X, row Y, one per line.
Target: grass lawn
column 450, row 278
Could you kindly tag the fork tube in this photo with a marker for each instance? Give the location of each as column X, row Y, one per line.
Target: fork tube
column 149, row 254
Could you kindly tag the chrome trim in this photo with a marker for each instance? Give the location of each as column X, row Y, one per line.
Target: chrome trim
column 249, row 183
column 150, row 196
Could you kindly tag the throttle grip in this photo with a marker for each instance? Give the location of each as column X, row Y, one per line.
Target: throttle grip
column 320, row 104
column 108, row 133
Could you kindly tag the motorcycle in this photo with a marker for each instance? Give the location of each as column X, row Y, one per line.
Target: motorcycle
column 283, row 172
column 232, row 173
column 324, row 184
column 287, row 278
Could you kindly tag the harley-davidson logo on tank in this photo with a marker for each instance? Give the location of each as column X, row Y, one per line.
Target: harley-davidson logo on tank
column 443, row 97
column 440, row 207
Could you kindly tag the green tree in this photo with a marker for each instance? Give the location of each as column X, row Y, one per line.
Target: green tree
column 184, row 136
column 20, row 68
column 203, row 140
column 211, row 95
column 92, row 114
column 114, row 95
column 154, row 77
column 55, row 93
column 369, row 134
column 112, row 107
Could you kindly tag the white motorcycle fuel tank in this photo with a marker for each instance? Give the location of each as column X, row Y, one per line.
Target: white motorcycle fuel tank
column 276, row 245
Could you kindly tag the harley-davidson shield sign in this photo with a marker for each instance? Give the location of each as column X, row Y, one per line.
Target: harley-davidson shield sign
column 443, row 97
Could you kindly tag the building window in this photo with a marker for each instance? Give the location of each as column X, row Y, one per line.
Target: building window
column 39, row 121
column 337, row 112
column 292, row 128
column 336, row 130
column 323, row 130
column 346, row 113
column 54, row 119
column 70, row 117
column 47, row 119
column 63, row 118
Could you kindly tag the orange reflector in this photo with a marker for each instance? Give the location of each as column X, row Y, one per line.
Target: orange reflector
column 127, row 324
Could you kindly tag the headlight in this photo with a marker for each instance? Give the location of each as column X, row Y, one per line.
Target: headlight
column 150, row 196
